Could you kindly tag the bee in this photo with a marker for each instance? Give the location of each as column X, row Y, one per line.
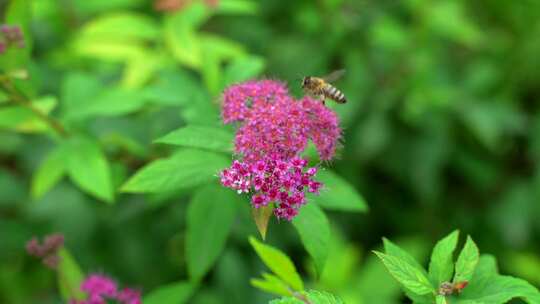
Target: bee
column 320, row 87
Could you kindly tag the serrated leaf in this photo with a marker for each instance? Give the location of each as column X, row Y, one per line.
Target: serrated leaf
column 49, row 173
column 312, row 297
column 204, row 137
column 187, row 168
column 261, row 216
column 467, row 261
column 271, row 284
column 314, row 230
column 406, row 274
column 441, row 266
column 88, row 168
column 279, row 263
column 175, row 293
column 210, row 216
column 70, row 277
column 500, row 289
column 338, row 194
column 393, row 249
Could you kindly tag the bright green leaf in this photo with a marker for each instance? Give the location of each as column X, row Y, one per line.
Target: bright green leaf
column 121, row 25
column 338, row 194
column 187, row 168
column 88, row 168
column 467, row 260
column 441, row 266
column 70, row 277
column 314, row 229
column 271, row 284
column 210, row 216
column 50, row 171
column 279, row 263
column 406, row 274
column 175, row 293
column 109, row 102
column 204, row 137
column 440, row 300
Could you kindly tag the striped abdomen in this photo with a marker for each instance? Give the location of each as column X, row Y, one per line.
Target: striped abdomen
column 333, row 93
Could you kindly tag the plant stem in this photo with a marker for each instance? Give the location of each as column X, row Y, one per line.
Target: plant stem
column 19, row 98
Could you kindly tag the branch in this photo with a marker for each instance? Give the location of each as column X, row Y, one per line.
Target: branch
column 19, row 98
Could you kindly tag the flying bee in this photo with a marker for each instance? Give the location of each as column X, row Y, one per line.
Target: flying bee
column 320, row 87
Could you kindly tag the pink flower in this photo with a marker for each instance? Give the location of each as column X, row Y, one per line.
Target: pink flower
column 10, row 35
column 100, row 289
column 274, row 130
column 48, row 251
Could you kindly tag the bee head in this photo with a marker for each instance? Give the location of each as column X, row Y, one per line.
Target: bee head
column 305, row 81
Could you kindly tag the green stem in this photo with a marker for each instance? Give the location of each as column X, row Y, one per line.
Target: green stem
column 19, row 98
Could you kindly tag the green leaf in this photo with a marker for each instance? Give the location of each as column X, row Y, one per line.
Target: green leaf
column 271, row 284
column 187, row 168
column 175, row 293
column 123, row 26
column 70, row 277
column 338, row 194
column 406, row 274
column 440, row 300
column 441, row 266
column 210, row 216
column 109, row 102
column 204, row 137
column 393, row 249
column 49, row 173
column 312, row 297
column 279, row 263
column 500, row 289
column 467, row 261
column 88, row 168
column 237, row 7
column 314, row 229
column 23, row 119
column 243, row 68
column 181, row 36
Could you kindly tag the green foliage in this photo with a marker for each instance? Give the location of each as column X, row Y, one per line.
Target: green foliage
column 70, row 277
column 204, row 137
column 210, row 216
column 314, row 229
column 118, row 101
column 186, row 168
column 280, row 264
column 175, row 293
column 483, row 284
column 312, row 296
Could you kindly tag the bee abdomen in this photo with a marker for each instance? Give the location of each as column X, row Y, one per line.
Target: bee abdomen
column 335, row 94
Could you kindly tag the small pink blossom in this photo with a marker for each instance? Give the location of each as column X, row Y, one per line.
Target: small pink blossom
column 48, row 251
column 10, row 36
column 101, row 289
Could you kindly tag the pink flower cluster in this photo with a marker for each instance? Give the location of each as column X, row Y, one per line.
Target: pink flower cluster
column 101, row 289
column 274, row 130
column 10, row 36
column 48, row 251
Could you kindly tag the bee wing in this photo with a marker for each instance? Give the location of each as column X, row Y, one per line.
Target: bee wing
column 335, row 75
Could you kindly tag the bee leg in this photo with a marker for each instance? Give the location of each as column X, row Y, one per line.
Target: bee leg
column 321, row 97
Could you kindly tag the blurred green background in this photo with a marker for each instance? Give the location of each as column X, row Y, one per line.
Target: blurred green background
column 441, row 131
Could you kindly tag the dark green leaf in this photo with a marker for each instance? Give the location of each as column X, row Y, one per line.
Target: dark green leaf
column 185, row 169
column 210, row 216
column 204, row 137
column 314, row 229
column 175, row 293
